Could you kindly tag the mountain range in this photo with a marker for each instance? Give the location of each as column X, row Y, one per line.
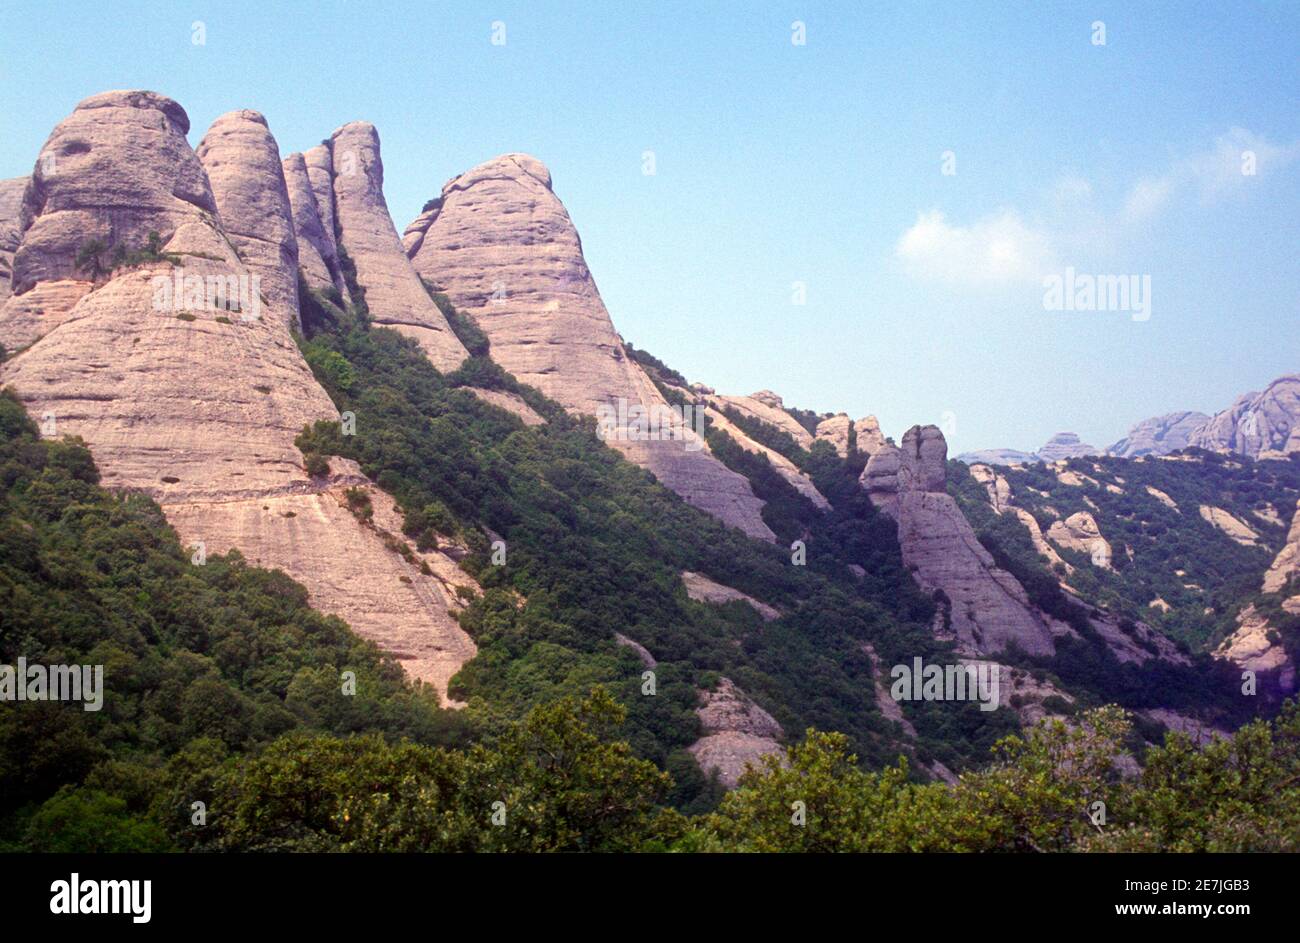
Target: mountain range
column 1258, row 425
column 440, row 436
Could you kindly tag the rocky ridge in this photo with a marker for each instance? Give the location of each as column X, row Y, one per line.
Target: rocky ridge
column 194, row 405
column 502, row 247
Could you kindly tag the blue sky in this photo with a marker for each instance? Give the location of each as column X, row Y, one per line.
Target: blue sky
column 819, row 164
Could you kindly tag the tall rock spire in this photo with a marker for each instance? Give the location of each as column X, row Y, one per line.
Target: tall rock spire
column 195, row 405
column 242, row 161
column 394, row 294
column 501, row 245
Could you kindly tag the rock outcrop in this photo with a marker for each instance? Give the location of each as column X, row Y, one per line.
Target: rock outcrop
column 393, row 291
column 11, row 201
column 242, row 162
column 1287, row 563
column 766, row 406
column 1237, row 529
column 317, row 251
column 501, row 245
column 1080, row 532
column 1065, row 445
column 835, row 430
column 737, row 733
column 997, row 486
column 787, row 469
column 869, row 437
column 1159, row 435
column 1162, row 498
column 1254, row 646
column 986, row 610
column 1257, row 424
column 702, row 589
column 998, row 457
column 190, row 403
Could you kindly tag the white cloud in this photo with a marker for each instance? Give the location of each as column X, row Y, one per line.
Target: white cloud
column 998, row 248
column 1004, row 248
column 1224, row 168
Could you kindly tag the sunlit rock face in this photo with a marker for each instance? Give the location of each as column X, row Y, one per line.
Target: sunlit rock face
column 501, row 245
column 394, row 294
column 194, row 404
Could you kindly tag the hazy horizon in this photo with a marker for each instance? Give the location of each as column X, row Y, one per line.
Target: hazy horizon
column 821, row 164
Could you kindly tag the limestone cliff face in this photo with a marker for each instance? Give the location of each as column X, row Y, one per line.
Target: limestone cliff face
column 242, row 161
column 1257, row 424
column 394, row 293
column 194, row 404
column 501, row 245
column 1160, row 435
column 11, row 201
column 988, row 609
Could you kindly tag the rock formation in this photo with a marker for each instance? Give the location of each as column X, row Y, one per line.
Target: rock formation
column 1065, row 445
column 1287, row 563
column 1255, row 644
column 242, row 162
column 1254, row 647
column 1162, row 498
column 997, row 486
column 767, row 407
column 702, row 589
column 835, row 430
column 1257, row 423
column 987, row 610
column 317, row 251
column 394, row 294
column 1235, row 528
column 869, row 437
column 737, row 733
column 998, row 457
column 500, row 244
column 11, row 201
column 187, row 401
column 1080, row 532
column 1159, row 435
column 782, row 465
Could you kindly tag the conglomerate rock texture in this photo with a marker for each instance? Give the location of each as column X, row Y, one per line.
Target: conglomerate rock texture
column 502, row 247
column 737, row 733
column 192, row 404
column 1160, row 435
column 242, row 161
column 11, row 201
column 1257, row 425
column 987, row 609
column 394, row 294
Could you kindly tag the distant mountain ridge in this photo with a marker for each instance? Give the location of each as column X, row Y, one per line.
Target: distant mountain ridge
column 1257, row 425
